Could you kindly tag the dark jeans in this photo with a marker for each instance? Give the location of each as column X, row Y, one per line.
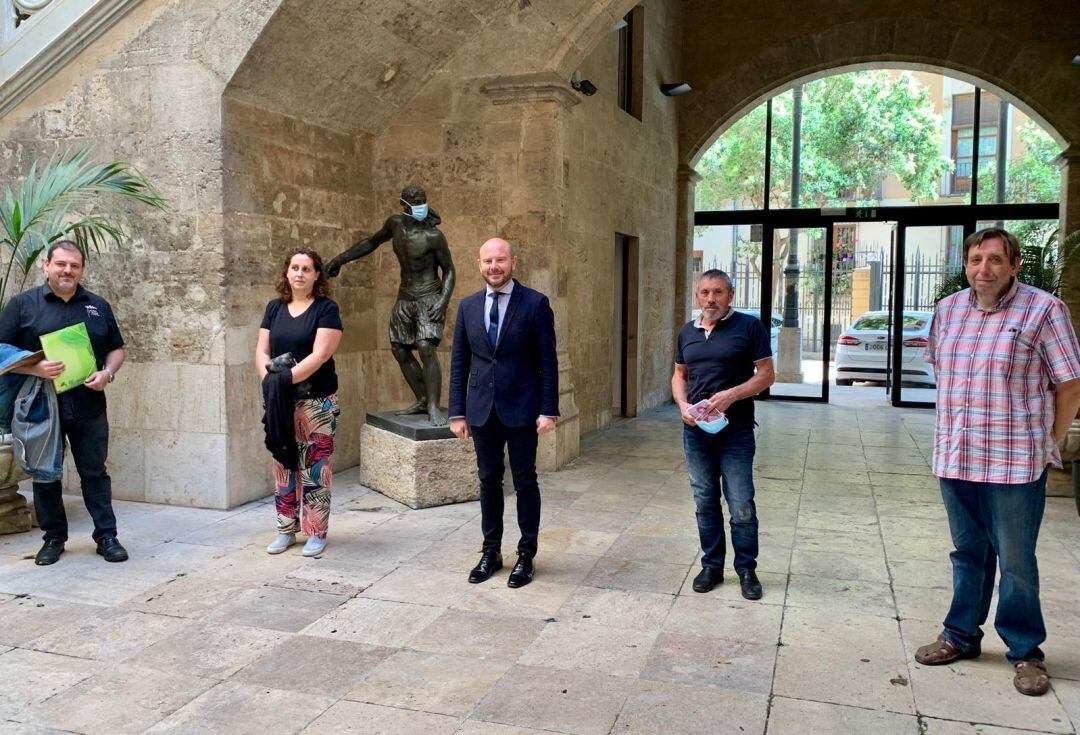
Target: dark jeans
column 489, row 441
column 726, row 456
column 89, row 442
column 995, row 524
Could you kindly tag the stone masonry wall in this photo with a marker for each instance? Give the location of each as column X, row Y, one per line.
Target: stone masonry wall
column 288, row 184
column 148, row 92
column 620, row 174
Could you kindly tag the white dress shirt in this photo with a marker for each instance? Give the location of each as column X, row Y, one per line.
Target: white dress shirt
column 503, row 301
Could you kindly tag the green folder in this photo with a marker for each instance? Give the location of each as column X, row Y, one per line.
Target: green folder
column 71, row 346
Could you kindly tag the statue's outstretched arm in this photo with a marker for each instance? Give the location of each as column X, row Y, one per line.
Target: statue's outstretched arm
column 360, row 249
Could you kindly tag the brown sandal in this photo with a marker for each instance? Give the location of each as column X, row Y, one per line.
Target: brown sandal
column 942, row 652
column 1031, row 678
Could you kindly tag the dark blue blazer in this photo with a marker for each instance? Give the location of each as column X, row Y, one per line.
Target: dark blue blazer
column 520, row 377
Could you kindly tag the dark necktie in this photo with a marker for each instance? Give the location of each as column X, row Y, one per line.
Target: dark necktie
column 493, row 319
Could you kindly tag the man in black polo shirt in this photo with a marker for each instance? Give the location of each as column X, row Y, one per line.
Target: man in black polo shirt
column 62, row 302
column 723, row 356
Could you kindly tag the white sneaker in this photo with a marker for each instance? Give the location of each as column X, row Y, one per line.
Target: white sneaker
column 282, row 542
column 314, row 546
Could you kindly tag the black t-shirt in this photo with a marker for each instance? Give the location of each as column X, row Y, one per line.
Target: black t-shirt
column 722, row 360
column 297, row 335
column 39, row 311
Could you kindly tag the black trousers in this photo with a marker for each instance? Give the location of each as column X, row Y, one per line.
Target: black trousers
column 89, row 442
column 489, row 441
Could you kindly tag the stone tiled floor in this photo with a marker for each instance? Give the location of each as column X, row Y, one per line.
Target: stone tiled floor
column 202, row 631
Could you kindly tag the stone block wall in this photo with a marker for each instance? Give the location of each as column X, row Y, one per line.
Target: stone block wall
column 620, row 174
column 148, row 92
column 289, row 184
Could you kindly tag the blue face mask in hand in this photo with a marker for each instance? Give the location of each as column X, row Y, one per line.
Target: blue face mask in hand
column 418, row 212
column 713, row 426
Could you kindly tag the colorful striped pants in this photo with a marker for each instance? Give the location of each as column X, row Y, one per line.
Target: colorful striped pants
column 316, row 421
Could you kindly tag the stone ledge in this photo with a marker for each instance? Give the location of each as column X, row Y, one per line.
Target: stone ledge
column 420, row 474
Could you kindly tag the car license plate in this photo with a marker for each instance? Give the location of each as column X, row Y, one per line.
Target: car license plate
column 874, row 346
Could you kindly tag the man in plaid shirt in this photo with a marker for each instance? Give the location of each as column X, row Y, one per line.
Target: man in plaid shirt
column 1008, row 388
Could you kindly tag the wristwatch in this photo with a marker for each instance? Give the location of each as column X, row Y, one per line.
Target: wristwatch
column 110, row 373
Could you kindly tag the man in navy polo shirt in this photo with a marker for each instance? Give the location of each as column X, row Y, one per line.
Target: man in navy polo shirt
column 58, row 303
column 723, row 356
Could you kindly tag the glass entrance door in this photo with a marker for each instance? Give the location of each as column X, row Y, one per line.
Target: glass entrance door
column 927, row 262
column 800, row 316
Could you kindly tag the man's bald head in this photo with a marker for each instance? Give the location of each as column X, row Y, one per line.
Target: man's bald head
column 497, row 244
column 497, row 262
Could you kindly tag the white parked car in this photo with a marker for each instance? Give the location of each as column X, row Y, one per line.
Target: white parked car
column 861, row 351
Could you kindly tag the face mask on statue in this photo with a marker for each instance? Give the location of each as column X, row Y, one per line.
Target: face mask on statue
column 418, row 212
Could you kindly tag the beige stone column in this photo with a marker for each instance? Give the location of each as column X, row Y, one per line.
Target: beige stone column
column 532, row 215
column 686, row 186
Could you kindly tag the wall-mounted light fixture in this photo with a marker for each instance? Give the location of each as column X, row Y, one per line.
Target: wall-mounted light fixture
column 619, row 25
column 584, row 86
column 675, row 89
column 1076, row 60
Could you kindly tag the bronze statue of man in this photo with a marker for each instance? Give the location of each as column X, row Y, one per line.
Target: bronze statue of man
column 418, row 317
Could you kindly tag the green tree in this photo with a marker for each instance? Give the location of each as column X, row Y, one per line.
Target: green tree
column 857, row 128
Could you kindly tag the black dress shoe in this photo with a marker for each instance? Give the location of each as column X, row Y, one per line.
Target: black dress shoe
column 490, row 562
column 111, row 549
column 50, row 552
column 522, row 572
column 707, row 579
column 751, row 585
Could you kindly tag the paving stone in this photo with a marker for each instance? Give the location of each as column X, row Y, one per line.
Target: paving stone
column 705, row 615
column 31, row 677
column 111, row 635
column 539, row 599
column 376, row 622
column 713, row 662
column 622, row 609
column 658, row 707
column 581, row 646
column 421, row 586
column 205, row 650
column 275, row 608
column 314, row 665
column 839, row 565
column 486, row 635
column 543, row 698
column 244, row 709
column 476, row 727
column 640, row 576
column 430, row 682
column 933, row 726
column 359, row 718
column 801, row 716
column 127, row 699
column 26, row 618
column 871, row 598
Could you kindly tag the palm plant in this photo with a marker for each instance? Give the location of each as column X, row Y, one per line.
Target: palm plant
column 1041, row 266
column 61, row 200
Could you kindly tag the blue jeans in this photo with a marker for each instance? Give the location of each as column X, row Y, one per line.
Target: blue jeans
column 995, row 524
column 727, row 456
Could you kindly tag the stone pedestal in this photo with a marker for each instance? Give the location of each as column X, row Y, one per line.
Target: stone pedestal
column 412, row 462
column 14, row 510
column 789, row 361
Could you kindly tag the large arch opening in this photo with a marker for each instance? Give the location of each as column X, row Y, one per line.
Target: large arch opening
column 839, row 206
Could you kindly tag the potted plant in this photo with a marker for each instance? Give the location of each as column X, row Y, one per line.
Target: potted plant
column 68, row 197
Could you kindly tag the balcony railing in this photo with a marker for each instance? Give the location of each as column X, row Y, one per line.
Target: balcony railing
column 38, row 37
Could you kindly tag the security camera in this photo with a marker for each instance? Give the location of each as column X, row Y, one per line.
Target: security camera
column 584, row 86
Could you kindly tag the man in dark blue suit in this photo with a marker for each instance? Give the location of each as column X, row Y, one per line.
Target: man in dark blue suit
column 504, row 392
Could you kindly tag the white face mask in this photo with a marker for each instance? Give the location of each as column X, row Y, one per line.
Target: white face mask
column 418, row 212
